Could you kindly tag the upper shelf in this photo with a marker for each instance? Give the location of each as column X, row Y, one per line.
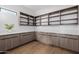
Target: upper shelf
column 26, row 20
column 61, row 16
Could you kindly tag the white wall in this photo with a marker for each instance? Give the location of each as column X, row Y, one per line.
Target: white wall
column 71, row 29
column 15, row 20
column 64, row 29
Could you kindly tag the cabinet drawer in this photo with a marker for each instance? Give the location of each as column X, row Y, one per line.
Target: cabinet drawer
column 69, row 36
column 8, row 36
column 28, row 33
column 42, row 33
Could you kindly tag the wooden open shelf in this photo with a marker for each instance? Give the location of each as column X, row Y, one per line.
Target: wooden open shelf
column 67, row 12
column 25, row 17
column 61, row 16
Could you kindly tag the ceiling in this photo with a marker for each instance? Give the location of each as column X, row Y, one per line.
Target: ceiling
column 41, row 7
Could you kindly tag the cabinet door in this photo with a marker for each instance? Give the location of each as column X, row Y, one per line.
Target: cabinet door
column 11, row 41
column 44, row 39
column 2, row 45
column 15, row 41
column 7, row 44
column 71, row 44
column 26, row 37
column 23, row 37
column 55, row 40
column 29, row 38
column 64, row 42
column 38, row 36
column 32, row 36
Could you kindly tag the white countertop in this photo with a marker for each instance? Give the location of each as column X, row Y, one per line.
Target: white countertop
column 7, row 33
column 61, row 33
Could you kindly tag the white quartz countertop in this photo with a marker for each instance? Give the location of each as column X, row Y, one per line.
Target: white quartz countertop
column 7, row 33
column 77, row 34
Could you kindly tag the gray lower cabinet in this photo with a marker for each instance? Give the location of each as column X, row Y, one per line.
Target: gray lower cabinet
column 55, row 40
column 75, row 45
column 23, row 39
column 63, row 42
column 9, row 41
column 48, row 39
column 26, row 37
column 71, row 44
column 38, row 36
column 44, row 39
column 13, row 40
column 2, row 45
